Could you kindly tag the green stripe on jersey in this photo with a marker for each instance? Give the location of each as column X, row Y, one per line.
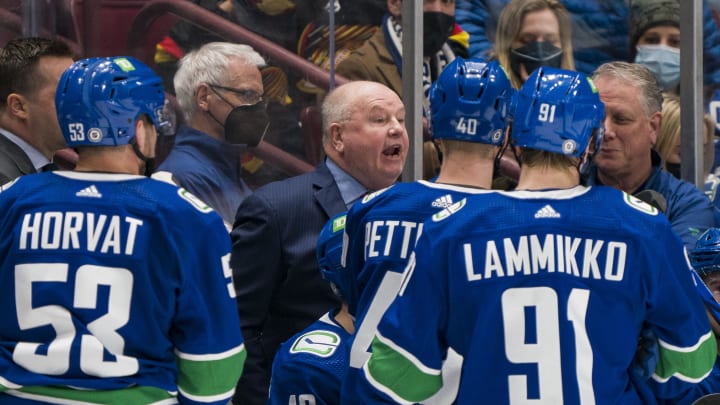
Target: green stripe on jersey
column 400, row 374
column 689, row 364
column 134, row 395
column 199, row 378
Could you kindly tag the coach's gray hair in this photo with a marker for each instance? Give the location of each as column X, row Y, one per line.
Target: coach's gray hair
column 635, row 74
column 337, row 107
column 208, row 64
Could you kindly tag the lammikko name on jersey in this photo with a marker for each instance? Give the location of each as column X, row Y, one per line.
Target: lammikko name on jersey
column 529, row 254
column 57, row 230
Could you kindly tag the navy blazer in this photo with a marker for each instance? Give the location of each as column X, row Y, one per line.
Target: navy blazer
column 14, row 162
column 279, row 288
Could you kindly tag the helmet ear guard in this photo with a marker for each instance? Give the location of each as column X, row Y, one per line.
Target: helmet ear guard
column 98, row 101
column 558, row 111
column 470, row 101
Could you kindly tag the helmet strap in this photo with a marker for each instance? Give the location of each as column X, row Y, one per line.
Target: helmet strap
column 148, row 162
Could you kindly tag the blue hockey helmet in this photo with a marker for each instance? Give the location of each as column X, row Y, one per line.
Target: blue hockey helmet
column 470, row 101
column 98, row 101
column 557, row 111
column 705, row 256
column 329, row 257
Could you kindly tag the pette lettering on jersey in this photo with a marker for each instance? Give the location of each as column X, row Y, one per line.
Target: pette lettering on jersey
column 53, row 230
column 402, row 234
column 579, row 257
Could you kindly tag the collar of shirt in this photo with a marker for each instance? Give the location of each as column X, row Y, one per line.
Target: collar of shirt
column 350, row 189
column 38, row 159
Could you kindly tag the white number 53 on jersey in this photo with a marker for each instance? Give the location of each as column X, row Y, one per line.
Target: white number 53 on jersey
column 103, row 330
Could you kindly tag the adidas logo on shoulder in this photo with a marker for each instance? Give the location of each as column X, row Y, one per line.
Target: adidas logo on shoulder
column 443, row 202
column 547, row 212
column 90, row 191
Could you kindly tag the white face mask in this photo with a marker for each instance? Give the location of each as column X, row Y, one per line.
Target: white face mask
column 663, row 61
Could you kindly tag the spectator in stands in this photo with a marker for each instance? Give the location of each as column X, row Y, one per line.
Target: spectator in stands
column 600, row 32
column 29, row 132
column 279, row 288
column 627, row 161
column 668, row 146
column 668, row 142
column 220, row 93
column 380, row 58
column 533, row 33
column 655, row 39
column 135, row 305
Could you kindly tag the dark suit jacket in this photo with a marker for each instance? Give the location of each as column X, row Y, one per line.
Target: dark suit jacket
column 279, row 288
column 13, row 161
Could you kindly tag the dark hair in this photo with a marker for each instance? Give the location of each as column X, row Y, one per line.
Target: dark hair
column 19, row 58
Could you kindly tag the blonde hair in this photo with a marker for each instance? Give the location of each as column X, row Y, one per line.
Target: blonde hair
column 510, row 23
column 670, row 130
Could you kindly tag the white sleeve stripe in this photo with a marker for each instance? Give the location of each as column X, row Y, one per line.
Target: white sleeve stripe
column 211, row 356
column 209, row 398
column 690, row 349
column 681, row 377
column 8, row 384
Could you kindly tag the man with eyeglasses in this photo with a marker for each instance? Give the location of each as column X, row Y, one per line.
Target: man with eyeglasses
column 219, row 90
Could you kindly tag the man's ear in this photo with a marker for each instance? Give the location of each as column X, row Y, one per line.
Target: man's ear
column 17, row 105
column 655, row 122
column 140, row 134
column 337, row 142
column 201, row 96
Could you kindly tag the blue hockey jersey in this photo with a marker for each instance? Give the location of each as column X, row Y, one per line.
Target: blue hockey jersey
column 114, row 289
column 309, row 367
column 544, row 294
column 381, row 233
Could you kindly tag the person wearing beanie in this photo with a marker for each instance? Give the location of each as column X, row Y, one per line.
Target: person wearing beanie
column 655, row 39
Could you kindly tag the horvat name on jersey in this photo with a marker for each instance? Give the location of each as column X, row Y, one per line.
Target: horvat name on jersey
column 391, row 238
column 528, row 254
column 53, row 230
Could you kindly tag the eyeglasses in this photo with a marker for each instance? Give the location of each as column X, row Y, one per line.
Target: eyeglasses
column 248, row 97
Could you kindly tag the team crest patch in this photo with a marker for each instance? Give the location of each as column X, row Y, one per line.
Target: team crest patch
column 319, row 343
column 199, row 204
column 441, row 215
column 640, row 205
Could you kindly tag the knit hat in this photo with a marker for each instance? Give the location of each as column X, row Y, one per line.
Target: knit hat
column 645, row 14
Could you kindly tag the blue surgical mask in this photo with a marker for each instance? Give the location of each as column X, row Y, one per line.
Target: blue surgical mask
column 663, row 61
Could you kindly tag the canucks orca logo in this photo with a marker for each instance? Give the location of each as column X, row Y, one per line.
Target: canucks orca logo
column 321, row 343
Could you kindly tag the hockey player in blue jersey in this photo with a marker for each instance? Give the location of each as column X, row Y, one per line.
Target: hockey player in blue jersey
column 469, row 105
column 114, row 288
column 309, row 367
column 544, row 290
column 705, row 259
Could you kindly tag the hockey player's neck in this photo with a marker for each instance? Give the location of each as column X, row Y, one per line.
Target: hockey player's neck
column 476, row 174
column 542, row 178
column 343, row 318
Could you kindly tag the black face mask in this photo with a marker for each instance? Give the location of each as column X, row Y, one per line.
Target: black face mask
column 437, row 27
column 534, row 55
column 674, row 169
column 247, row 124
